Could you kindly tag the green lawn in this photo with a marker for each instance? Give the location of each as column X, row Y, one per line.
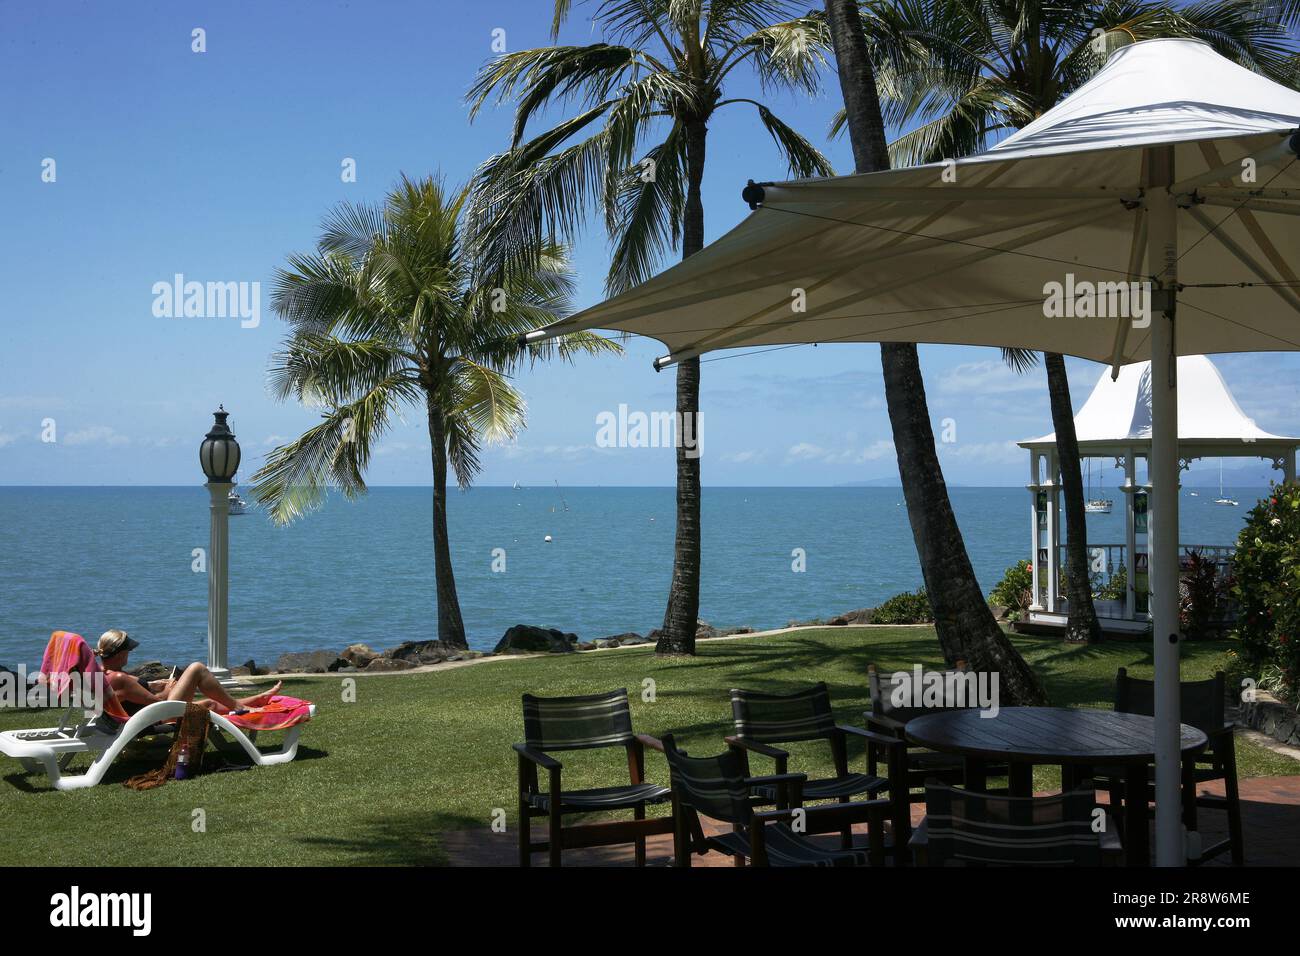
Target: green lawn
column 376, row 780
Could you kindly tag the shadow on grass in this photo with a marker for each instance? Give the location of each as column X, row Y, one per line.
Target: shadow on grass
column 407, row 839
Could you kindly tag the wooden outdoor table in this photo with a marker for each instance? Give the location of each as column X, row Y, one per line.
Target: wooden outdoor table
column 1074, row 739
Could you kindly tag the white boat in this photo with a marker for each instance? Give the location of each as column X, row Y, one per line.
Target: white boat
column 238, row 505
column 1223, row 499
column 1095, row 505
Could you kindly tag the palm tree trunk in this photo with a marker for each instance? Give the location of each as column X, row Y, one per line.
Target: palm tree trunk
column 682, row 615
column 451, row 628
column 963, row 621
column 1081, row 624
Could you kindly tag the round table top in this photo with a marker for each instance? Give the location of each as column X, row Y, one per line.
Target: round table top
column 1046, row 735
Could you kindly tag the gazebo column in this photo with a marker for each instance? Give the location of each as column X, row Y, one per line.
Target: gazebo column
column 1034, row 541
column 1162, row 534
column 1130, row 536
column 1052, row 487
column 1288, row 466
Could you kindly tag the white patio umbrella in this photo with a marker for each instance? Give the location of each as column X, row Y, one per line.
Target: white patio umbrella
column 1172, row 168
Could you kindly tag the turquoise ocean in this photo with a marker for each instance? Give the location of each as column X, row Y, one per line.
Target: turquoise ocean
column 86, row 559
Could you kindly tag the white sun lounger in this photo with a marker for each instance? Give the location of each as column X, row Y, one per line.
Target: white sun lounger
column 53, row 748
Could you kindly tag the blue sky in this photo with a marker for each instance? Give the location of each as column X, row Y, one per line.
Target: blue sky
column 216, row 165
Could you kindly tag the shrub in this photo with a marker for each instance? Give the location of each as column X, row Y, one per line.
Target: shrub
column 905, row 608
column 1116, row 589
column 1266, row 572
column 1201, row 593
column 1015, row 591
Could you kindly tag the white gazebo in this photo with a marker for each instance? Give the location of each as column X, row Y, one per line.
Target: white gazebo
column 1115, row 423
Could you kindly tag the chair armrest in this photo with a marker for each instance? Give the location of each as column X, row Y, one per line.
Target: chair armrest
column 853, row 812
column 545, row 761
column 881, row 720
column 759, row 748
column 882, row 739
column 654, row 743
column 789, row 787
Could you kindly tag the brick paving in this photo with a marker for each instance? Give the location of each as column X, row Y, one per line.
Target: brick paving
column 1270, row 812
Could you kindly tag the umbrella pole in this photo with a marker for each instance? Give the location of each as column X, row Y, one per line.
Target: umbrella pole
column 1162, row 264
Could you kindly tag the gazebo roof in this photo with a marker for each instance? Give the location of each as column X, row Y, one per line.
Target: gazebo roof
column 1117, row 414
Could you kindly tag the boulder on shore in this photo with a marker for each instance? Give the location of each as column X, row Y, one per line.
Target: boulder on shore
column 309, row 662
column 380, row 664
column 424, row 652
column 358, row 655
column 151, row 671
column 860, row 616
column 527, row 639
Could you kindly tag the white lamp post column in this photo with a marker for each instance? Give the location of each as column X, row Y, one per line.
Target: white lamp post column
column 219, row 456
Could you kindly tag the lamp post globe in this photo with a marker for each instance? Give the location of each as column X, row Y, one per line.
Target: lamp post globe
column 219, row 458
column 219, row 453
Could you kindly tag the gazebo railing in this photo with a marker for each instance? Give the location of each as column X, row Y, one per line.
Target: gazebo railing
column 1107, row 568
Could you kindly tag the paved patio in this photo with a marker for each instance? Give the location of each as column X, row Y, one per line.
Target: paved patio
column 1270, row 811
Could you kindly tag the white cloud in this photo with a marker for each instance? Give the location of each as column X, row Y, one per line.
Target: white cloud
column 97, row 435
column 989, row 378
column 987, row 453
column 807, row 451
column 744, row 457
column 7, row 438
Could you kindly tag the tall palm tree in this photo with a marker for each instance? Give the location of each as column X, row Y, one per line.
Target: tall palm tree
column 646, row 96
column 963, row 620
column 393, row 309
column 968, row 71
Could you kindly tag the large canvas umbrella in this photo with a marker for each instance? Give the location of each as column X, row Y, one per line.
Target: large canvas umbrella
column 1149, row 215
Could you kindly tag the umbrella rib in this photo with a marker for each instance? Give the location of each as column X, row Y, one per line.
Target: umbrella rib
column 1137, row 252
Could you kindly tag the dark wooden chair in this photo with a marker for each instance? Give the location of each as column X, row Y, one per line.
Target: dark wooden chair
column 583, row 723
column 720, row 788
column 962, row 828
column 918, row 765
column 763, row 719
column 1201, row 706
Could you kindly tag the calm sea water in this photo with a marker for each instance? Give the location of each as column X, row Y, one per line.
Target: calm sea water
column 86, row 559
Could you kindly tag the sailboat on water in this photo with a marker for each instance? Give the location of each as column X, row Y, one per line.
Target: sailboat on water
column 1223, row 499
column 1095, row 505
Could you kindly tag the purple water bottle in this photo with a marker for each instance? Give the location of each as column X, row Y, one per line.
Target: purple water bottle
column 183, row 764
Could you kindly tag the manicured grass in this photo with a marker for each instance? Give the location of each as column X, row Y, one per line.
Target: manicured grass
column 376, row 780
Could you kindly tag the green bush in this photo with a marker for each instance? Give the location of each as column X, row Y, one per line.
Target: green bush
column 905, row 608
column 1015, row 591
column 1266, row 571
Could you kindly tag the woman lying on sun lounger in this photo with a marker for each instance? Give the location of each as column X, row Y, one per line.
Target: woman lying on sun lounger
column 135, row 693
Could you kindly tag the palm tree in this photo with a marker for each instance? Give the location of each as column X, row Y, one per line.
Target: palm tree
column 968, row 71
column 658, row 81
column 963, row 621
column 395, row 309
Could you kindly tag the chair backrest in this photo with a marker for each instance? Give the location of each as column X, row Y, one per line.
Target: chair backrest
column 578, row 723
column 980, row 829
column 1201, row 701
column 714, row 787
column 782, row 718
column 882, row 693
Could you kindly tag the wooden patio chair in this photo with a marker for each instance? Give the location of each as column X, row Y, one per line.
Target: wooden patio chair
column 763, row 719
column 918, row 765
column 1201, row 706
column 721, row 789
column 962, row 828
column 583, row 723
